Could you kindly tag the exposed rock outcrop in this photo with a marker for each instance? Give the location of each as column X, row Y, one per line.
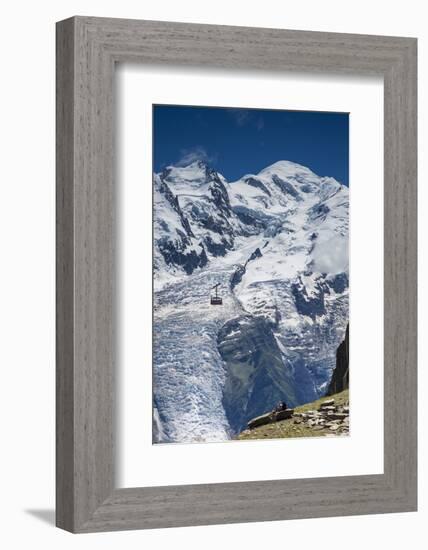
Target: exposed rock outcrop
column 324, row 417
column 328, row 416
column 240, row 270
column 340, row 379
column 268, row 418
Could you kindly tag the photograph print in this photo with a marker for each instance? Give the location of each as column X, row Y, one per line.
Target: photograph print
column 250, row 274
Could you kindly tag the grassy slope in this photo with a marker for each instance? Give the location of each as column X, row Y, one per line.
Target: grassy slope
column 287, row 428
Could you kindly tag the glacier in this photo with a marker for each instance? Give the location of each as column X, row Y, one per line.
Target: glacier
column 277, row 243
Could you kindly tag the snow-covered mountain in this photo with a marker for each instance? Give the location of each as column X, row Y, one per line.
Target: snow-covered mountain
column 277, row 242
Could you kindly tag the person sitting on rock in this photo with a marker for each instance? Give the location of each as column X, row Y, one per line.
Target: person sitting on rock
column 282, row 406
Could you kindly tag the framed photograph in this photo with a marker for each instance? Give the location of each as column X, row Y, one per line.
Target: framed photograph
column 236, row 274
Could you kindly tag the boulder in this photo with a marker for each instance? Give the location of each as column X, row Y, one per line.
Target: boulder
column 337, row 416
column 327, row 403
column 260, row 421
column 268, row 418
column 283, row 415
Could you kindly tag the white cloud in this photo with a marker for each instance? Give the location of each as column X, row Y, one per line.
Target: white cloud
column 192, row 155
column 332, row 255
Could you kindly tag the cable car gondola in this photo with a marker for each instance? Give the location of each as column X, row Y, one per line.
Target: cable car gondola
column 216, row 300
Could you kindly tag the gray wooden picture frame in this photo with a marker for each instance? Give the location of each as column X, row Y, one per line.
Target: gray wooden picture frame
column 87, row 50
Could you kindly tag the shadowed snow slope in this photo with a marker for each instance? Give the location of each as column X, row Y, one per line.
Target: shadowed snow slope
column 277, row 243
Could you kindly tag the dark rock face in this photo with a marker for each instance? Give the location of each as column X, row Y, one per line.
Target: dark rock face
column 320, row 211
column 340, row 378
column 175, row 256
column 286, row 187
column 257, row 378
column 237, row 276
column 255, row 254
column 311, row 306
column 174, row 249
column 256, row 219
column 340, row 283
column 240, row 270
column 209, row 222
column 245, row 215
column 213, row 213
column 258, row 184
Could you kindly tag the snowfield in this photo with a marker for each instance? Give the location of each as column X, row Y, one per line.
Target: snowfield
column 277, row 243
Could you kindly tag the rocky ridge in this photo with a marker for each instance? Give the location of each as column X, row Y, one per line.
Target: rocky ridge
column 324, row 417
column 328, row 416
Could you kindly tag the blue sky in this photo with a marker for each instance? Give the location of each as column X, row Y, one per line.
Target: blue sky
column 236, row 142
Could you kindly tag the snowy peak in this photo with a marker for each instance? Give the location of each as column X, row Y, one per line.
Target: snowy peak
column 286, row 168
column 286, row 181
column 301, row 175
column 283, row 199
column 190, row 179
